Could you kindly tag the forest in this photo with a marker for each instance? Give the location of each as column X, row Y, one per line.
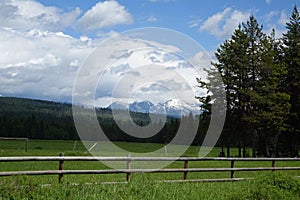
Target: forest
column 37, row 119
column 260, row 76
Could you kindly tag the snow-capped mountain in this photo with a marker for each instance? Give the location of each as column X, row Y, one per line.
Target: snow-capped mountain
column 143, row 107
column 174, row 108
column 117, row 106
column 171, row 108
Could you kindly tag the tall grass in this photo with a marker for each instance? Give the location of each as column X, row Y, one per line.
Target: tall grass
column 267, row 185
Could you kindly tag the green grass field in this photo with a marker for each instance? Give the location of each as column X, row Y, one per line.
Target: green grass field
column 54, row 147
column 267, row 185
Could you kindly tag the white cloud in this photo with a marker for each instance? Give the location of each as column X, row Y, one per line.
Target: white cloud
column 268, row 2
column 212, row 23
column 74, row 63
column 152, row 19
column 283, row 18
column 29, row 14
column 222, row 24
column 194, row 23
column 271, row 15
column 105, row 14
column 67, row 19
column 136, row 65
column 39, row 60
column 40, row 64
column 43, row 64
column 276, row 20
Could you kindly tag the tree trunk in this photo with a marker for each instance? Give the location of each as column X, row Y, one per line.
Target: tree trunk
column 253, row 152
column 228, row 151
column 296, row 149
column 244, row 151
column 267, row 153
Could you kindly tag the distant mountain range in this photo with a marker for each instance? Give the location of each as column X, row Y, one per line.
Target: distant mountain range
column 171, row 108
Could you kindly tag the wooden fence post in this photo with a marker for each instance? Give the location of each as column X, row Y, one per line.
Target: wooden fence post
column 128, row 167
column 232, row 166
column 185, row 166
column 60, row 167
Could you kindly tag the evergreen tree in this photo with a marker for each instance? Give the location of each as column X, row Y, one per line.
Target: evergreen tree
column 252, row 72
column 291, row 49
column 270, row 103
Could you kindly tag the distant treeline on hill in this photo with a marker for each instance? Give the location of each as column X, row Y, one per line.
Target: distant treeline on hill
column 37, row 119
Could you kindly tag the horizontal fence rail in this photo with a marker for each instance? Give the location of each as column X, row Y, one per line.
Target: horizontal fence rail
column 61, row 159
column 124, row 158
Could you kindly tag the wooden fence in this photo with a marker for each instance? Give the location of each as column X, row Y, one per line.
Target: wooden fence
column 61, row 171
column 20, row 139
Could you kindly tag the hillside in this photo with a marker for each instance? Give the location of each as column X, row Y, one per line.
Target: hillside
column 36, row 119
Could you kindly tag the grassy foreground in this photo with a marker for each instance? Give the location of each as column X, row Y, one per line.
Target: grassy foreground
column 267, row 185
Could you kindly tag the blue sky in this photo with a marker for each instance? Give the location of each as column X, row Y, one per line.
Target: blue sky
column 43, row 43
column 185, row 16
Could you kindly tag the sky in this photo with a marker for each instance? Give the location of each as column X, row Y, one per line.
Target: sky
column 45, row 44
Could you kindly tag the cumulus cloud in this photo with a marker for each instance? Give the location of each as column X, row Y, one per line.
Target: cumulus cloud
column 40, row 61
column 29, row 14
column 140, row 70
column 38, row 48
column 40, row 64
column 105, row 14
column 120, row 69
column 276, row 20
column 222, row 24
column 202, row 59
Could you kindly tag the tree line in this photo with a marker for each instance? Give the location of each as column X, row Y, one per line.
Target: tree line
column 37, row 119
column 261, row 79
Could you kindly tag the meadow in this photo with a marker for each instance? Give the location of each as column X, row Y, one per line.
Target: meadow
column 266, row 185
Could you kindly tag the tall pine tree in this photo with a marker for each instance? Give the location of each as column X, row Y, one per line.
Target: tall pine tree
column 270, row 102
column 252, row 72
column 291, row 49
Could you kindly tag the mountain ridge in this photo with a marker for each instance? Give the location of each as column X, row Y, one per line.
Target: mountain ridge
column 171, row 107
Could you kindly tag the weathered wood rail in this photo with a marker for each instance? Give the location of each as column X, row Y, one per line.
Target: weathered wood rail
column 61, row 171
